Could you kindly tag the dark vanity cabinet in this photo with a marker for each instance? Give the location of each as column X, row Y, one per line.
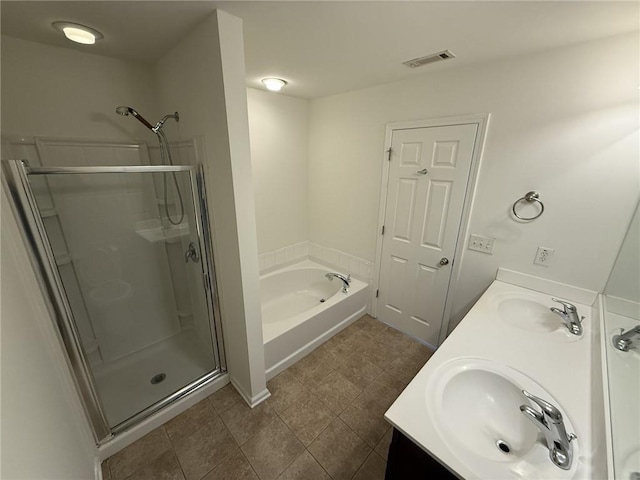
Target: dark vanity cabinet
column 407, row 461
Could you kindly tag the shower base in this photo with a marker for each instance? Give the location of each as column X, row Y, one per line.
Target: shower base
column 125, row 386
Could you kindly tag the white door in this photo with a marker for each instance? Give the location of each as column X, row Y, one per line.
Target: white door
column 428, row 178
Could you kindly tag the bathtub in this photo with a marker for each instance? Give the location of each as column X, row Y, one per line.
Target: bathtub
column 301, row 309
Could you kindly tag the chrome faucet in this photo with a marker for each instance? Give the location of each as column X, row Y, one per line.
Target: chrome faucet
column 569, row 316
column 346, row 281
column 628, row 339
column 550, row 423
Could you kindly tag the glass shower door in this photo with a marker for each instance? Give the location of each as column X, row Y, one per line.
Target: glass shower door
column 134, row 269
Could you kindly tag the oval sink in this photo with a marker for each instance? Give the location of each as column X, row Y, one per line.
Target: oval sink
column 475, row 406
column 529, row 313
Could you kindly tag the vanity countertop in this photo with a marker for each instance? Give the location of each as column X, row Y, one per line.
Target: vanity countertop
column 499, row 329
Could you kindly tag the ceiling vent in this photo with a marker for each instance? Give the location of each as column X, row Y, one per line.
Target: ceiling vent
column 434, row 57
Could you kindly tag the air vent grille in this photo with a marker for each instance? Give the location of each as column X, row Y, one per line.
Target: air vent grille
column 434, row 57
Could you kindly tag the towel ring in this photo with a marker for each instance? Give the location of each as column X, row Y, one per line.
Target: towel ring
column 529, row 197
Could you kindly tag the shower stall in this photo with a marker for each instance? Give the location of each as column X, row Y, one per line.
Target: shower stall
column 125, row 260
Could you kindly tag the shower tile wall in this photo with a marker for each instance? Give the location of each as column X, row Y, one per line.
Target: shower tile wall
column 343, row 262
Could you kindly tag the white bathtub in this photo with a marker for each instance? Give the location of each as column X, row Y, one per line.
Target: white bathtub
column 301, row 309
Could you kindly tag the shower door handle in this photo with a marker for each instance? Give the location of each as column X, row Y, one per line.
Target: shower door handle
column 191, row 254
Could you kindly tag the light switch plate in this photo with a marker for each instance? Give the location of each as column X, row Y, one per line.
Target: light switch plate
column 481, row 244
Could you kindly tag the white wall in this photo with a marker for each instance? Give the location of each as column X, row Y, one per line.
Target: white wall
column 60, row 92
column 564, row 123
column 278, row 131
column 203, row 78
column 43, row 431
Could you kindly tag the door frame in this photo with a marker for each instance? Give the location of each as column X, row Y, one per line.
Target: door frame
column 482, row 122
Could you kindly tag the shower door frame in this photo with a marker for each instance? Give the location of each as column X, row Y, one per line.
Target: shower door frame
column 16, row 177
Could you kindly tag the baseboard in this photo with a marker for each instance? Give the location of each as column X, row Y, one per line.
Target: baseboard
column 98, row 468
column 252, row 401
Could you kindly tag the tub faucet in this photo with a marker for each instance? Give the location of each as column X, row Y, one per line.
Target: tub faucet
column 346, row 281
column 628, row 339
column 569, row 316
column 550, row 423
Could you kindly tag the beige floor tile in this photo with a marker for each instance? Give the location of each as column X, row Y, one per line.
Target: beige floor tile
column 370, row 325
column 336, row 391
column 404, row 368
column 339, row 450
column 202, row 450
column 366, row 417
column 311, row 368
column 332, row 353
column 234, row 467
column 139, row 454
column 382, row 448
column 378, row 352
column 272, row 450
column 190, row 420
column 305, row 467
column 307, row 418
column 384, row 390
column 165, row 467
column 373, row 468
column 285, row 391
column 358, row 370
column 106, row 473
column 244, row 422
column 224, row 398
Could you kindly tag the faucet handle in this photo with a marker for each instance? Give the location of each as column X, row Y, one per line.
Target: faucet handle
column 547, row 409
column 568, row 307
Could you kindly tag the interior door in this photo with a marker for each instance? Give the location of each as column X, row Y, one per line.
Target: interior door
column 428, row 178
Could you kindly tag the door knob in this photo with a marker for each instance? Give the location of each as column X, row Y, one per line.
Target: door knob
column 424, row 171
column 444, row 261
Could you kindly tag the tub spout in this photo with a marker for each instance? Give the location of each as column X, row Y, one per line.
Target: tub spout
column 346, row 281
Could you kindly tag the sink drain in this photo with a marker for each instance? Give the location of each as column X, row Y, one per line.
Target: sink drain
column 502, row 445
column 158, row 378
column 322, row 300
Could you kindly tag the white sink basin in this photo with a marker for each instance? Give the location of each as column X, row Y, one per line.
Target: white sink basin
column 528, row 313
column 475, row 406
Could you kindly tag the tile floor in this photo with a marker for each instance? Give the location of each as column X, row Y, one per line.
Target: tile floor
column 324, row 419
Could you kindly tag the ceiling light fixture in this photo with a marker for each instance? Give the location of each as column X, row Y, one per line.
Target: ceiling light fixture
column 78, row 33
column 274, row 84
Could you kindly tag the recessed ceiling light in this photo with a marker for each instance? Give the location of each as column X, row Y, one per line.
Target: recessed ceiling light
column 78, row 33
column 274, row 84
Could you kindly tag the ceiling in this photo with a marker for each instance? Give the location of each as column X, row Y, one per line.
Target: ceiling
column 323, row 47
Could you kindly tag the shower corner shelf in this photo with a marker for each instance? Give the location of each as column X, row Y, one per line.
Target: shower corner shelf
column 152, row 231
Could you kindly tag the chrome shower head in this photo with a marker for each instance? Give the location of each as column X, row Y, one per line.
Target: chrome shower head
column 126, row 111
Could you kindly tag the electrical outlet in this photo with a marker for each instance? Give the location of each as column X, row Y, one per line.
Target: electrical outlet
column 481, row 244
column 543, row 256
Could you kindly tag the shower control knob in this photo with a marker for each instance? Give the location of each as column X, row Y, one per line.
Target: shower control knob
column 444, row 261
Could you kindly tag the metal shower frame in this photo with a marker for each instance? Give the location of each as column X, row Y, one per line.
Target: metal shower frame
column 16, row 178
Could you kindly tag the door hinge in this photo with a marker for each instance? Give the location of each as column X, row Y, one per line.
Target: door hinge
column 382, row 233
column 377, row 293
column 389, row 150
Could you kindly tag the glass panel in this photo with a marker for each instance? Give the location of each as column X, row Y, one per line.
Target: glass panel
column 129, row 258
column 623, row 366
